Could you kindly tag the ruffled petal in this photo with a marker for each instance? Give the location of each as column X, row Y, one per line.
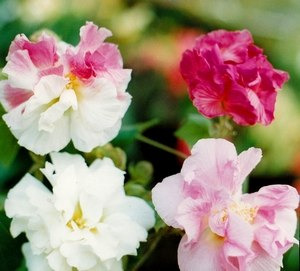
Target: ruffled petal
column 166, row 197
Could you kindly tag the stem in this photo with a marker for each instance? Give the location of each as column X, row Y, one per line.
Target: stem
column 160, row 146
column 153, row 244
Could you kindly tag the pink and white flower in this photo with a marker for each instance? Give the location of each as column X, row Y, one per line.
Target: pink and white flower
column 56, row 92
column 228, row 75
column 85, row 222
column 225, row 229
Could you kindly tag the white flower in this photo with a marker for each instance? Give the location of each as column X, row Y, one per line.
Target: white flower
column 87, row 222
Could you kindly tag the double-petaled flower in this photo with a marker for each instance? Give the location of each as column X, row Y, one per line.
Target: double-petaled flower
column 56, row 92
column 228, row 75
column 225, row 229
column 85, row 223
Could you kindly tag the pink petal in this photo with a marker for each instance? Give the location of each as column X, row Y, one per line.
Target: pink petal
column 192, row 216
column 277, row 196
column 213, row 163
column 247, row 162
column 166, row 197
column 206, row 254
column 91, row 37
column 264, row 262
column 42, row 53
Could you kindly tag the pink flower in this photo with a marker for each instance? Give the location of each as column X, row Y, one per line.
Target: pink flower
column 56, row 92
column 225, row 229
column 228, row 75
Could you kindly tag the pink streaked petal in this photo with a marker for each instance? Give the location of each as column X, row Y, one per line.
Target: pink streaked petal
column 106, row 56
column 53, row 70
column 239, row 107
column 277, row 196
column 91, row 37
column 273, row 240
column 192, row 215
column 15, row 96
column 42, row 53
column 213, row 162
column 206, row 254
column 17, row 44
column 20, row 70
column 207, row 101
column 247, row 162
column 167, row 196
column 263, row 261
column 239, row 233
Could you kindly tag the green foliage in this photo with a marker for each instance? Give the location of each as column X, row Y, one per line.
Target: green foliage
column 8, row 144
column 10, row 254
column 194, row 128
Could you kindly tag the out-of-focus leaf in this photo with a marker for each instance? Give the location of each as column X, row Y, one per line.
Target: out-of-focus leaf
column 8, row 144
column 10, row 253
column 22, row 266
column 129, row 132
column 141, row 172
column 194, row 128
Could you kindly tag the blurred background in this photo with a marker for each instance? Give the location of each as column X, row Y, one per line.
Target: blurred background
column 152, row 35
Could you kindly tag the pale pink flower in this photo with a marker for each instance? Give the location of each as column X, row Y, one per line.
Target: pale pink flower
column 225, row 229
column 228, row 75
column 56, row 92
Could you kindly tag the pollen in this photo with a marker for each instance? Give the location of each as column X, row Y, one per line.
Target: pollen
column 74, row 82
column 77, row 218
column 244, row 210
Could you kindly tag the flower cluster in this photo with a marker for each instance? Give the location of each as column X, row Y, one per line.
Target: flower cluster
column 225, row 229
column 228, row 75
column 56, row 92
column 87, row 222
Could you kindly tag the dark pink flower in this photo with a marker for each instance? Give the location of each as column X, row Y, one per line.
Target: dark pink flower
column 228, row 75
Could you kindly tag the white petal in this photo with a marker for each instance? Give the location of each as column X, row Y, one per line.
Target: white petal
column 35, row 262
column 137, row 209
column 55, row 112
column 57, row 262
column 79, row 256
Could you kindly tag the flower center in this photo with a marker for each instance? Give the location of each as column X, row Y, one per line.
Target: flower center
column 244, row 210
column 74, row 82
column 77, row 218
column 78, row 222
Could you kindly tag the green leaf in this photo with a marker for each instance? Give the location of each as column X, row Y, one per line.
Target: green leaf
column 8, row 144
column 194, row 128
column 129, row 132
column 10, row 252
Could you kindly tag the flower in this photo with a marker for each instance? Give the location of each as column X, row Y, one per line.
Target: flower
column 225, row 229
column 228, row 75
column 56, row 92
column 87, row 222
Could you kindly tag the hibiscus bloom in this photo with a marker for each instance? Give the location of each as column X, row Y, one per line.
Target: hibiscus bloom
column 56, row 92
column 225, row 229
column 228, row 75
column 87, row 222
